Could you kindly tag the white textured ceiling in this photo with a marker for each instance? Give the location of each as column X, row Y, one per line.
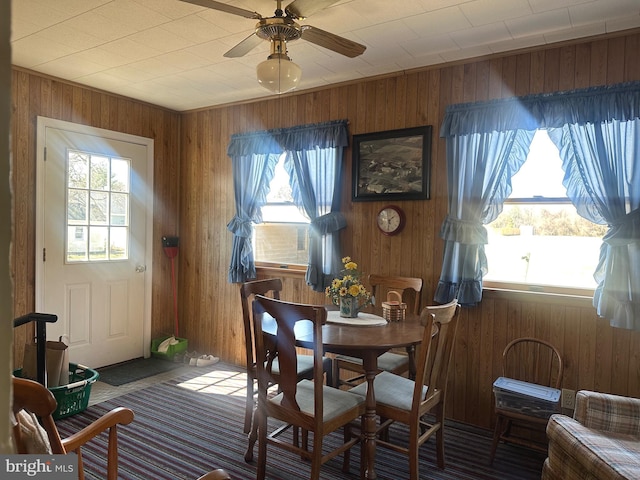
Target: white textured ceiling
column 170, row 53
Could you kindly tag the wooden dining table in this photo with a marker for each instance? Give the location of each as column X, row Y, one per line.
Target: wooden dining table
column 365, row 340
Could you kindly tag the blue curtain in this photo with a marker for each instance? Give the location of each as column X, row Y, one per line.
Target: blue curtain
column 597, row 132
column 253, row 158
column 314, row 163
column 602, row 177
column 478, row 187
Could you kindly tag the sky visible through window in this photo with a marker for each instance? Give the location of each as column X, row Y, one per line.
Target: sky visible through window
column 541, row 174
column 281, row 193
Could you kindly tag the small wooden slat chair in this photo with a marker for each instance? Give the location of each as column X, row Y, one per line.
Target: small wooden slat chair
column 410, row 289
column 35, row 398
column 248, row 290
column 309, row 405
column 399, row 399
column 529, row 360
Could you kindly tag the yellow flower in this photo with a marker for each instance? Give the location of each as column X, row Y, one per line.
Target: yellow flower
column 337, row 283
column 355, row 290
column 351, row 266
column 343, row 291
column 346, row 259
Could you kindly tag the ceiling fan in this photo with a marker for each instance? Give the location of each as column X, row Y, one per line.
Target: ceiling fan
column 278, row 73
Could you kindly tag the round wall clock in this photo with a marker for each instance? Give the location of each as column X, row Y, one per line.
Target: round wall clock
column 390, row 220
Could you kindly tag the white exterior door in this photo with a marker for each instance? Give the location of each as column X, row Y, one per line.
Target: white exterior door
column 94, row 206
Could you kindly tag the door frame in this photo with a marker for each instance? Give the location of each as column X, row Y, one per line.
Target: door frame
column 42, row 124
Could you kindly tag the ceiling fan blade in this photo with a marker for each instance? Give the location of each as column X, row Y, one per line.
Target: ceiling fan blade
column 306, row 8
column 244, row 47
column 224, row 7
column 332, row 42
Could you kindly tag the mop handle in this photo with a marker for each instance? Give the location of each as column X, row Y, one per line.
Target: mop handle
column 175, row 296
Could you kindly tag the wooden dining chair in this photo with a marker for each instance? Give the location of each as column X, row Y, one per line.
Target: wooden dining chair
column 399, row 399
column 309, row 405
column 534, row 361
column 248, row 290
column 30, row 397
column 410, row 289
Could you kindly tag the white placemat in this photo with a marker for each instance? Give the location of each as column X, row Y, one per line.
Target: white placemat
column 363, row 319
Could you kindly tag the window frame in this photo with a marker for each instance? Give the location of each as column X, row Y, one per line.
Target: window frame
column 528, row 288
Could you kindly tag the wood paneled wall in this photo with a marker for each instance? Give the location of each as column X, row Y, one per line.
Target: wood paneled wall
column 33, row 96
column 194, row 199
column 596, row 356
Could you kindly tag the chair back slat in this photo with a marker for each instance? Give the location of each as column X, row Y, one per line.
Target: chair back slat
column 436, row 348
column 248, row 290
column 286, row 315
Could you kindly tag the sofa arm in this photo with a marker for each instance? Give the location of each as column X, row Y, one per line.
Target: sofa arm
column 608, row 413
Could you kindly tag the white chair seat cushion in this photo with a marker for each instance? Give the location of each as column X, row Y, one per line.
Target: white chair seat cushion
column 390, row 389
column 387, row 361
column 335, row 401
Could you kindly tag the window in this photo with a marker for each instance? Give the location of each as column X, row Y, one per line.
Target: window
column 97, row 207
column 539, row 241
column 283, row 237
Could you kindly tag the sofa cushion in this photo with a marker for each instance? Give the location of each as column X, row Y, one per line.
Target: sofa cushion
column 588, row 454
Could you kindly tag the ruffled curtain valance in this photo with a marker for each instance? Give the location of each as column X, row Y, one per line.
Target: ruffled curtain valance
column 596, row 104
column 278, row 140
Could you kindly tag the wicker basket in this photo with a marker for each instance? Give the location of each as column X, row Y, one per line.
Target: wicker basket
column 393, row 310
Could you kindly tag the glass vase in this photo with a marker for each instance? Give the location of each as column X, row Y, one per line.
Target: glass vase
column 348, row 307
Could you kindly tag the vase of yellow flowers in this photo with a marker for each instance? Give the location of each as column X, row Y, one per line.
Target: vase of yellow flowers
column 347, row 291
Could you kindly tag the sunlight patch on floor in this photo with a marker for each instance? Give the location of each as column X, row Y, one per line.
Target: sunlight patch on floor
column 220, row 382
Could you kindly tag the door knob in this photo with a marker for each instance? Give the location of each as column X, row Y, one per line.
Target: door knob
column 141, row 268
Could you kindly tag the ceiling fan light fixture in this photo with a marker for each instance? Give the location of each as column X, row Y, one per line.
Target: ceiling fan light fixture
column 278, row 73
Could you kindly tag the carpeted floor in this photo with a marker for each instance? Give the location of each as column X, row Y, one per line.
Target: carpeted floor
column 190, row 425
column 133, row 370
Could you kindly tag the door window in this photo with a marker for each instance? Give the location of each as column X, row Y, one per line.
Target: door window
column 97, row 207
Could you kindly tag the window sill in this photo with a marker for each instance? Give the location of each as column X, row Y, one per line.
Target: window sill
column 582, row 298
column 265, row 269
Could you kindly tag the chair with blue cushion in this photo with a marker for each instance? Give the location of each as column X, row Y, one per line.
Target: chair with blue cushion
column 415, row 402
column 410, row 289
column 309, row 405
column 248, row 290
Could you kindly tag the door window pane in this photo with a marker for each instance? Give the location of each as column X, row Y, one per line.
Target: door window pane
column 99, row 173
column 98, row 238
column 78, row 171
column 118, row 243
column 77, row 206
column 97, row 207
column 77, row 244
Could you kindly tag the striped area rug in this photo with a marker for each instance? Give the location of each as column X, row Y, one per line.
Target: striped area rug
column 190, row 425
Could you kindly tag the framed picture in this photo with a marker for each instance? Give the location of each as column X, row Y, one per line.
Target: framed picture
column 392, row 165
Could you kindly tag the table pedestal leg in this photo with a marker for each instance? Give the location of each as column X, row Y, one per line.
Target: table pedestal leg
column 369, row 427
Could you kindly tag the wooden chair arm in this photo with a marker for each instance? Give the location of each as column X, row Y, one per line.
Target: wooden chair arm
column 117, row 416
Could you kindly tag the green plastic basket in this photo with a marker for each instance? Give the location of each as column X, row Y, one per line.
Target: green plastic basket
column 179, row 347
column 74, row 397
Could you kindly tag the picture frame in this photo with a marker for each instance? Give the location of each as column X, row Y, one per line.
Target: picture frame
column 392, row 165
